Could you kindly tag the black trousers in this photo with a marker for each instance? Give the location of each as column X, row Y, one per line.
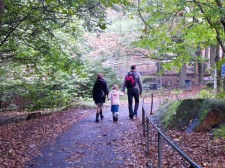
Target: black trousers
column 133, row 94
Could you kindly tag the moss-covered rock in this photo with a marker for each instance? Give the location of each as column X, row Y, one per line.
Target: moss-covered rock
column 170, row 114
column 219, row 132
column 212, row 113
column 195, row 114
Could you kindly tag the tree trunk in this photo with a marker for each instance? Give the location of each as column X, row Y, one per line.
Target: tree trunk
column 200, row 66
column 195, row 70
column 212, row 64
column 223, row 77
column 2, row 8
column 182, row 76
column 158, row 64
column 218, row 69
column 212, row 58
column 206, row 65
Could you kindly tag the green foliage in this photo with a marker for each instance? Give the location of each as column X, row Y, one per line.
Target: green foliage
column 210, row 94
column 206, row 106
column 41, row 52
column 47, row 86
column 219, row 64
column 205, row 94
column 220, row 95
column 177, row 28
column 109, row 76
column 220, row 132
column 31, row 24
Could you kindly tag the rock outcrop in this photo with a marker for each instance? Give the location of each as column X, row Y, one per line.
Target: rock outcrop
column 194, row 114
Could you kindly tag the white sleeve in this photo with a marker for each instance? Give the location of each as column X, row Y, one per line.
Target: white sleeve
column 110, row 95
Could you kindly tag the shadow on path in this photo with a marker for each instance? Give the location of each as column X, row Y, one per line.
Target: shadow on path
column 88, row 144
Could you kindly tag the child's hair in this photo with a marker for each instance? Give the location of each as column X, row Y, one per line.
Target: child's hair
column 115, row 87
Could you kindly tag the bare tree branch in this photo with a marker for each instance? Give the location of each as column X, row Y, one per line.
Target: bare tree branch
column 13, row 29
column 142, row 16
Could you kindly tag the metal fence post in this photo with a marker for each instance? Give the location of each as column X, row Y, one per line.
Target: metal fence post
column 143, row 112
column 147, row 143
column 159, row 150
column 151, row 104
column 143, row 120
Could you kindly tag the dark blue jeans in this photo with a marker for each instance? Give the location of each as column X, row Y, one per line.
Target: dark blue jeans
column 133, row 93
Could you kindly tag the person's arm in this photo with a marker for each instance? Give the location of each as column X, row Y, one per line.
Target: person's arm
column 93, row 90
column 109, row 96
column 106, row 89
column 140, row 84
column 124, row 85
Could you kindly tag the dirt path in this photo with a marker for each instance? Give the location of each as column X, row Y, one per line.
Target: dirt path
column 88, row 144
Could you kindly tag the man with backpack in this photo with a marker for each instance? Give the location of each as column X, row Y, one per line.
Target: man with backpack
column 133, row 83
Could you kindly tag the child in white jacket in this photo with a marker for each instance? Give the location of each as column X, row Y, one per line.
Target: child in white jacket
column 114, row 96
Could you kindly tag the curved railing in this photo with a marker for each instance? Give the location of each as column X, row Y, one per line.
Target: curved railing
column 146, row 121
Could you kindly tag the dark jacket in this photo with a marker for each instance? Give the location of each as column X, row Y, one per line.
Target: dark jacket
column 100, row 91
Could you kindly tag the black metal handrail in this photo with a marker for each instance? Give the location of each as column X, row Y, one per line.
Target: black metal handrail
column 146, row 119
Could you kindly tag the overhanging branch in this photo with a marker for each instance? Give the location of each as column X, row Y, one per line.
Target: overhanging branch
column 218, row 37
column 142, row 16
column 13, row 29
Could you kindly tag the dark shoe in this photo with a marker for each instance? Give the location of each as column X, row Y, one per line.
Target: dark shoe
column 97, row 120
column 101, row 115
column 114, row 118
column 131, row 116
column 135, row 116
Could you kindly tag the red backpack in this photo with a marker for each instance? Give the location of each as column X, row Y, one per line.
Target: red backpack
column 130, row 80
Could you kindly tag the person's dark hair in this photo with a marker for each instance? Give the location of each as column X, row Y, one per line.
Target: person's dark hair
column 133, row 67
column 100, row 76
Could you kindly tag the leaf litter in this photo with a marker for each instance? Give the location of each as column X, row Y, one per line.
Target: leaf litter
column 19, row 142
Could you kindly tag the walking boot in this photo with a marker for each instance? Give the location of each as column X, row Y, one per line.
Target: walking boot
column 101, row 115
column 97, row 120
column 116, row 117
column 131, row 116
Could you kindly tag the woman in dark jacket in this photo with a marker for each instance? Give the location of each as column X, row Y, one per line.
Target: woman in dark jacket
column 100, row 91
